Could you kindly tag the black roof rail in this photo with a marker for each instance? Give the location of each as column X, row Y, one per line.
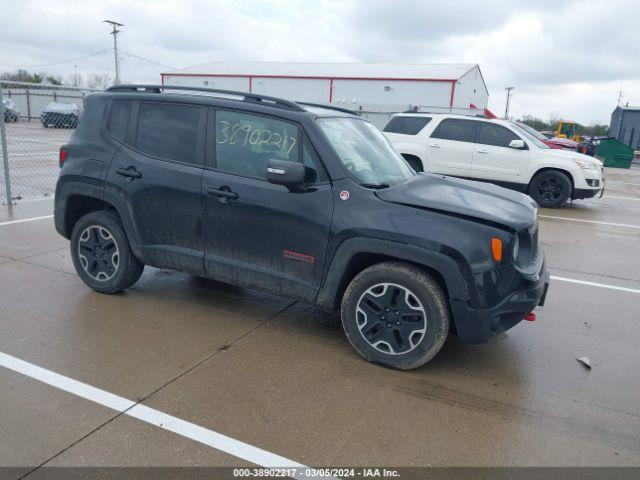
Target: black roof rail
column 247, row 97
column 330, row 107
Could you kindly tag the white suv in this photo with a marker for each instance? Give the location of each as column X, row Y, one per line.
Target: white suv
column 496, row 151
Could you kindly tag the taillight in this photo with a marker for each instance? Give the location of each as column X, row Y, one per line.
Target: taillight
column 63, row 155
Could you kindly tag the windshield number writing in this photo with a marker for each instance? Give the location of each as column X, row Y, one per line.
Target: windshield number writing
column 243, row 134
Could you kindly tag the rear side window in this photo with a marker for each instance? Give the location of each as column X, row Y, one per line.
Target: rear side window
column 406, row 125
column 244, row 143
column 497, row 135
column 168, row 131
column 119, row 120
column 455, row 129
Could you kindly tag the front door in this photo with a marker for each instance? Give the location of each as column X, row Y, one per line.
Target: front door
column 493, row 159
column 450, row 147
column 156, row 176
column 259, row 234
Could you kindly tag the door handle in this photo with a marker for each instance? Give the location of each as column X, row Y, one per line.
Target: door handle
column 129, row 172
column 434, row 145
column 482, row 150
column 223, row 192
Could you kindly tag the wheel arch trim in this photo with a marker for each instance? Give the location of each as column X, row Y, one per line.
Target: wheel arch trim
column 337, row 274
column 92, row 189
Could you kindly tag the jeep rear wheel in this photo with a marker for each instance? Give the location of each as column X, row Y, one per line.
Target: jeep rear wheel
column 550, row 189
column 101, row 253
column 396, row 315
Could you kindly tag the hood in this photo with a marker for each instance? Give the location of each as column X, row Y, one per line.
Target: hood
column 572, row 155
column 479, row 200
column 563, row 142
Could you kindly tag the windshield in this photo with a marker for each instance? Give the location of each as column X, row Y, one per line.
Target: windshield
column 365, row 152
column 526, row 131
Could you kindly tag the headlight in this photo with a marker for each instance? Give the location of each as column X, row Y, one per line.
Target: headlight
column 516, row 247
column 585, row 165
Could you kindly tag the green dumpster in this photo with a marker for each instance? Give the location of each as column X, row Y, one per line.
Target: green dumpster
column 614, row 153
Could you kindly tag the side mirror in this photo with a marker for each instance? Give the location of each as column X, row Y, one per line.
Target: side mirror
column 283, row 172
column 518, row 144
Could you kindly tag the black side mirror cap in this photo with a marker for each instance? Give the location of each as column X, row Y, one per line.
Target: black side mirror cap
column 284, row 172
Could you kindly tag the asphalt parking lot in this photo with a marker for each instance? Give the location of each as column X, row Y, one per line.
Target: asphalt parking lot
column 213, row 375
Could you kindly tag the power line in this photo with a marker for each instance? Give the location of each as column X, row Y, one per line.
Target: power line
column 147, row 59
column 57, row 63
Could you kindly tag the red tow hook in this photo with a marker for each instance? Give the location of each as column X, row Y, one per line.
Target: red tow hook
column 530, row 317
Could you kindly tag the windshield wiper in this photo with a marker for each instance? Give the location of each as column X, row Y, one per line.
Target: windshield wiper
column 375, row 186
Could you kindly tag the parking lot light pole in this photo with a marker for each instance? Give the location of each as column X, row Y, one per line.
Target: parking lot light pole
column 5, row 152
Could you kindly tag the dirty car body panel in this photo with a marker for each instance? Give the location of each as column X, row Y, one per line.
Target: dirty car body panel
column 307, row 243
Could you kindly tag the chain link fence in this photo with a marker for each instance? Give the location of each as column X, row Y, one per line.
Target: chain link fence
column 35, row 120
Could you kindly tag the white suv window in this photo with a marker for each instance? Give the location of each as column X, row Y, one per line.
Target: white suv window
column 406, row 125
column 496, row 135
column 455, row 129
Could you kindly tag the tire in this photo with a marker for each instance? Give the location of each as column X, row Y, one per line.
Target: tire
column 101, row 253
column 550, row 189
column 397, row 341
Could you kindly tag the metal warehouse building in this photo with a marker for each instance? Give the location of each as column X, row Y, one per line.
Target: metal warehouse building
column 355, row 85
column 625, row 125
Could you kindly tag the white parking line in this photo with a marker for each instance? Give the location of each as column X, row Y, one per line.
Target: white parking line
column 30, row 140
column 33, row 219
column 595, row 284
column 620, row 198
column 623, row 183
column 149, row 415
column 597, row 222
column 32, row 153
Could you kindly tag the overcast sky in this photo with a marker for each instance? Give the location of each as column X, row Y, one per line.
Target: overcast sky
column 566, row 59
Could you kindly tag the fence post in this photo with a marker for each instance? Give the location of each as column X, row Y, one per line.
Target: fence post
column 5, row 152
column 28, row 106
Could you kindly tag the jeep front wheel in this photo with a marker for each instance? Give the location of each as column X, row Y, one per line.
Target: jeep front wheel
column 396, row 315
column 101, row 254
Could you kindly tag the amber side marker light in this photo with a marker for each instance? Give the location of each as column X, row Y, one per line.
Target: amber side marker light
column 496, row 249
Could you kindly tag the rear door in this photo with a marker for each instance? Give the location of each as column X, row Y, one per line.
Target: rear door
column 259, row 234
column 156, row 178
column 450, row 147
column 494, row 160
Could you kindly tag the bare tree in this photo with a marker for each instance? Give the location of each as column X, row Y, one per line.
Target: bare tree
column 99, row 81
column 74, row 80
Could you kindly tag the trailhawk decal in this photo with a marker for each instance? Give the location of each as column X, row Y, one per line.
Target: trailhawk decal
column 301, row 257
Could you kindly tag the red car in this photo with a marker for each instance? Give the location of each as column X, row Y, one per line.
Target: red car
column 553, row 142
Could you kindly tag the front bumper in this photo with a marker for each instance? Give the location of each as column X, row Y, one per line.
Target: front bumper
column 478, row 325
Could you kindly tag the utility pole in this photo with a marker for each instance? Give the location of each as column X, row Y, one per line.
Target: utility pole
column 506, row 108
column 115, row 32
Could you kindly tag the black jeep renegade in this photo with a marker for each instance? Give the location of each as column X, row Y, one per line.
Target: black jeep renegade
column 306, row 201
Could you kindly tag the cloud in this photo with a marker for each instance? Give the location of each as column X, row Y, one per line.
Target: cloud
column 570, row 58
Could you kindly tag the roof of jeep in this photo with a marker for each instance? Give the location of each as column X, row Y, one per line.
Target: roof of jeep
column 215, row 97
